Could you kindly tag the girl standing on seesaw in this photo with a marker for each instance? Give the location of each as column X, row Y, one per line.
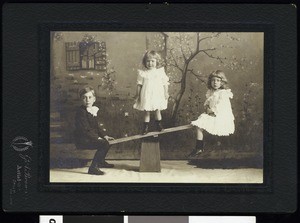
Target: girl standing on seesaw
column 152, row 90
column 217, row 118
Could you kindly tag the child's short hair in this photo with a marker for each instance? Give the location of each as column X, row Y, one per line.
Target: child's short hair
column 220, row 74
column 86, row 90
column 152, row 54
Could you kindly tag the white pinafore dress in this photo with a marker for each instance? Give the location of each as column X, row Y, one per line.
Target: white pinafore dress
column 222, row 122
column 152, row 95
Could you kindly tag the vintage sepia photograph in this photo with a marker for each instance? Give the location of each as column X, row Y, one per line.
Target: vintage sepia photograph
column 156, row 107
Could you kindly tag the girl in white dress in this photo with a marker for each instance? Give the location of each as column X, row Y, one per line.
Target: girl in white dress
column 217, row 118
column 152, row 90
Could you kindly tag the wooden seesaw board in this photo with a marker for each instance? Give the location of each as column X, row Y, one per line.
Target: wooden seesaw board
column 135, row 137
column 150, row 149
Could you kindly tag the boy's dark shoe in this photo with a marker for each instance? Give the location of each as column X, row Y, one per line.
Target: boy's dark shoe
column 95, row 171
column 106, row 165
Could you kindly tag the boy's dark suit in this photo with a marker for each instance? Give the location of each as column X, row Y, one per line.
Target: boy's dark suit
column 87, row 131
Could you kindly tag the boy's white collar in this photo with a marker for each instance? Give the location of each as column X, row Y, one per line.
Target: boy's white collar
column 93, row 110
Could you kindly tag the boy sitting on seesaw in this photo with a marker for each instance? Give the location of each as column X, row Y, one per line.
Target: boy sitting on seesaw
column 89, row 133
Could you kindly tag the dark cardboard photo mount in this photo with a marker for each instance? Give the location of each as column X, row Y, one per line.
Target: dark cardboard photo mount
column 26, row 30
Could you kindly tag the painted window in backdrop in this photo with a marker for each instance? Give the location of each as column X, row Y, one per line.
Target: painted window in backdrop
column 86, row 56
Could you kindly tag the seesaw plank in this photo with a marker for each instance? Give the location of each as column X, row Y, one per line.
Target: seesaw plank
column 129, row 138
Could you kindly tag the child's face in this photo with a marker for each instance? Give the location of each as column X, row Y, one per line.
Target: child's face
column 216, row 83
column 88, row 99
column 151, row 63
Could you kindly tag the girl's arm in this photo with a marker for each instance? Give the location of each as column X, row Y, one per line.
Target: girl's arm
column 138, row 91
column 140, row 81
column 165, row 81
column 166, row 92
column 210, row 111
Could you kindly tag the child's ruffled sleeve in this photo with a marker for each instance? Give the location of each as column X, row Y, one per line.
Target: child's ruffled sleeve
column 164, row 77
column 207, row 101
column 229, row 93
column 140, row 77
column 223, row 104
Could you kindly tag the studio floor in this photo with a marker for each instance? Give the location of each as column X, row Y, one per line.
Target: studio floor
column 172, row 171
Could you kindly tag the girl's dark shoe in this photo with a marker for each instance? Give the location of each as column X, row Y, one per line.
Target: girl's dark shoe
column 198, row 150
column 95, row 171
column 193, row 153
column 146, row 128
column 159, row 126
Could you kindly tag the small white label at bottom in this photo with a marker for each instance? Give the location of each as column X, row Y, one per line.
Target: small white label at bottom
column 222, row 219
column 51, row 219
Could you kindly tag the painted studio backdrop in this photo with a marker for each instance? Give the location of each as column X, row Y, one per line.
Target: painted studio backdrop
column 108, row 61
